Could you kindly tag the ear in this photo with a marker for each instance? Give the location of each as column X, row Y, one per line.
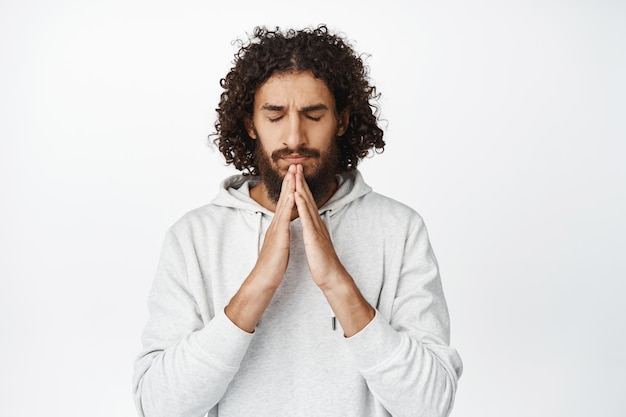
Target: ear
column 343, row 122
column 249, row 124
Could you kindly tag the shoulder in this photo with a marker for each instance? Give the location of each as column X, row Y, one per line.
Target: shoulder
column 380, row 218
column 202, row 221
column 389, row 207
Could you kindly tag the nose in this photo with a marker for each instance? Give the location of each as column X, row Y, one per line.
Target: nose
column 295, row 134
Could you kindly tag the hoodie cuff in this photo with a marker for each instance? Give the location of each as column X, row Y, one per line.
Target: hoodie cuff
column 374, row 344
column 224, row 341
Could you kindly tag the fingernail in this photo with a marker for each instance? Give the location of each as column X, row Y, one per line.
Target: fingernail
column 292, row 168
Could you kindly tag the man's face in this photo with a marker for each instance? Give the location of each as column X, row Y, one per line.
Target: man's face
column 295, row 122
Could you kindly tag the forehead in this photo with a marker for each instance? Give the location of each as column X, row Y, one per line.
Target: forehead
column 300, row 89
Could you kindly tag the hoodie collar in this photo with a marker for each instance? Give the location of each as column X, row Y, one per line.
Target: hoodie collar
column 234, row 192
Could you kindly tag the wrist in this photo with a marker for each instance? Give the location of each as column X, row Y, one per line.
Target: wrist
column 350, row 307
column 248, row 304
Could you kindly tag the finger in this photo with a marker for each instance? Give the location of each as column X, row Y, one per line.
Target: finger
column 302, row 184
column 313, row 226
column 307, row 220
column 307, row 202
column 289, row 184
column 286, row 200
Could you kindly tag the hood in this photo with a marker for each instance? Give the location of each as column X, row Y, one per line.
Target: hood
column 234, row 192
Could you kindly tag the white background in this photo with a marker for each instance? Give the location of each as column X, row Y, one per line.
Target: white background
column 505, row 131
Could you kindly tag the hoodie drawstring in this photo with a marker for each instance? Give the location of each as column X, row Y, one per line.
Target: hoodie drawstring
column 326, row 220
column 258, row 232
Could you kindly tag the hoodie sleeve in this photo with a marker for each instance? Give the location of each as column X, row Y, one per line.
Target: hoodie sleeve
column 181, row 370
column 406, row 358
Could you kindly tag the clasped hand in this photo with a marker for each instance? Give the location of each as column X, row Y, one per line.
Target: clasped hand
column 296, row 200
column 249, row 303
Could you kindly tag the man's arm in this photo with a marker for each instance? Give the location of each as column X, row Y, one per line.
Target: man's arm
column 405, row 355
column 347, row 302
column 249, row 303
column 182, row 370
column 405, row 359
column 186, row 366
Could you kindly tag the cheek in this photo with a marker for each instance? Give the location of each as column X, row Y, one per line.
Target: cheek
column 324, row 136
column 274, row 136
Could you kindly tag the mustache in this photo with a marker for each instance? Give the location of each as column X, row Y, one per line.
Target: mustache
column 301, row 150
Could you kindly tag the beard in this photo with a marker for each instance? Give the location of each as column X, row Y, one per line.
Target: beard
column 319, row 177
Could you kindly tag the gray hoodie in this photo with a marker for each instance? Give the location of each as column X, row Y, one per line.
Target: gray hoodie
column 297, row 362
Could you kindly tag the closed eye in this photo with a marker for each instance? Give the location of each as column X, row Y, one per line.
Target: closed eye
column 274, row 119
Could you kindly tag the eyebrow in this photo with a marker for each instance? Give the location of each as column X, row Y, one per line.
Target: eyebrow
column 272, row 107
column 314, row 107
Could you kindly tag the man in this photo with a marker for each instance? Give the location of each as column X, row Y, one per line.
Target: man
column 298, row 291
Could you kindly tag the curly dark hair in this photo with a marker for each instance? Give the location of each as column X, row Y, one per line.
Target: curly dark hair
column 330, row 58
